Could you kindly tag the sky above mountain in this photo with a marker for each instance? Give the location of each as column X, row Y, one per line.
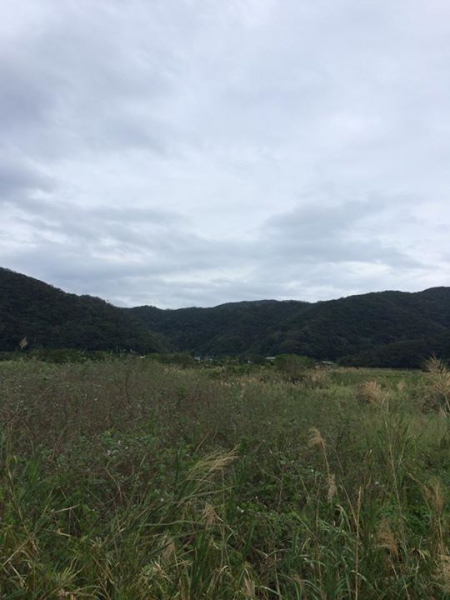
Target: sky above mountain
column 194, row 152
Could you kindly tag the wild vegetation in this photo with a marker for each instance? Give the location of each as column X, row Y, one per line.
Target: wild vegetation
column 132, row 479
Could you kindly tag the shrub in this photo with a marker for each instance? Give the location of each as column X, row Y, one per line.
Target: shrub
column 293, row 367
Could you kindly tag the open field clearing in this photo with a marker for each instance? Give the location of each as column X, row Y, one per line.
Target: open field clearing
column 129, row 479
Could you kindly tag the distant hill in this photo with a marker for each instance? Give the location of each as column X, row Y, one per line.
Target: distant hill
column 51, row 318
column 384, row 328
column 228, row 329
column 397, row 329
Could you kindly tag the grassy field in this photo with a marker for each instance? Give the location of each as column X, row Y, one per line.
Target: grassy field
column 129, row 480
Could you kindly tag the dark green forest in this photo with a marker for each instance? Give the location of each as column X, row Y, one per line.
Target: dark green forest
column 395, row 329
column 44, row 317
column 386, row 329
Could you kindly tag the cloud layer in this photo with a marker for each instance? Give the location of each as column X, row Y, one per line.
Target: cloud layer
column 179, row 153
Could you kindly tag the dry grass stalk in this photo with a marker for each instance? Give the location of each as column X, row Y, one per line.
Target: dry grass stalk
column 332, row 487
column 215, row 463
column 434, row 365
column 249, row 587
column 371, row 392
column 210, row 515
column 438, row 386
column 387, row 540
column 401, row 385
column 435, row 496
column 168, row 551
column 315, row 438
column 443, row 573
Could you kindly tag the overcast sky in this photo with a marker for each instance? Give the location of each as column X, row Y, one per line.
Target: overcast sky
column 195, row 152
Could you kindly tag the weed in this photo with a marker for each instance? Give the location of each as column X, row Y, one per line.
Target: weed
column 134, row 479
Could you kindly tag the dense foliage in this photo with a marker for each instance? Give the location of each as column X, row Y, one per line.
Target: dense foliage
column 388, row 328
column 42, row 316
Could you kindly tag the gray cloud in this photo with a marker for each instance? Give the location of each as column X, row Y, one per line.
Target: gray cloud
column 18, row 178
column 333, row 233
column 177, row 153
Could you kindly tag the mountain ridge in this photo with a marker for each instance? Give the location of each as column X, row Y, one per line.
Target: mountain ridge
column 399, row 328
column 340, row 329
column 48, row 317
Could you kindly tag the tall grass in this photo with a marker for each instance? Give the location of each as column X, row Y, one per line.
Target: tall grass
column 134, row 480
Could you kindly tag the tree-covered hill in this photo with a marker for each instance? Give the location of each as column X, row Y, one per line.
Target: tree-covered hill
column 50, row 318
column 357, row 327
column 377, row 329
column 228, row 329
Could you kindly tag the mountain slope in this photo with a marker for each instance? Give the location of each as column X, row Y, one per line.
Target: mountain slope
column 228, row 329
column 332, row 330
column 376, row 329
column 51, row 318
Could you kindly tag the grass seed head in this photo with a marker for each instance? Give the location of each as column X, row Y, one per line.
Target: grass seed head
column 443, row 573
column 332, row 487
column 437, row 388
column 315, row 438
column 210, row 515
column 434, row 496
column 387, row 539
column 371, row 392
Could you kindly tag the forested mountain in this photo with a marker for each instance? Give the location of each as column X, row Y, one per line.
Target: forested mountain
column 407, row 327
column 378, row 329
column 228, row 329
column 50, row 318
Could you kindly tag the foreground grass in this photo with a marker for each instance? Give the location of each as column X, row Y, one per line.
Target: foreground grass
column 132, row 480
